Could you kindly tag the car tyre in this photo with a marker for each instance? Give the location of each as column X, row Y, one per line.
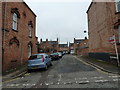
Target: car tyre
column 51, row 64
column 29, row 71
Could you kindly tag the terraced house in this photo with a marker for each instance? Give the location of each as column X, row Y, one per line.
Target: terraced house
column 48, row 46
column 103, row 29
column 18, row 34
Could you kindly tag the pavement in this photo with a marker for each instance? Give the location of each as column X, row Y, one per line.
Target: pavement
column 100, row 64
column 104, row 66
column 14, row 74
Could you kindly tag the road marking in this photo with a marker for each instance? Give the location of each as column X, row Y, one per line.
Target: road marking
column 11, row 80
column 58, row 83
column 97, row 77
column 60, row 76
column 41, row 84
column 64, row 83
column 27, row 74
column 114, row 76
column 50, row 75
column 82, row 78
column 13, row 85
column 46, row 83
column 101, row 81
column 93, row 66
column 83, row 82
column 116, row 79
column 51, row 83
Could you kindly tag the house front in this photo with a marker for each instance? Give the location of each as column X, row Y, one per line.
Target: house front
column 18, row 34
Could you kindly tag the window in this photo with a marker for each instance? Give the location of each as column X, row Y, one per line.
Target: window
column 14, row 21
column 119, row 33
column 118, row 5
column 35, row 57
column 30, row 30
column 85, row 45
column 29, row 50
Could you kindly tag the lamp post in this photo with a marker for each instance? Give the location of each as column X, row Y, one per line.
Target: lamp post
column 86, row 32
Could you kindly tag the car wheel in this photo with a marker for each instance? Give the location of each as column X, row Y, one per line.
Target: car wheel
column 51, row 64
column 29, row 71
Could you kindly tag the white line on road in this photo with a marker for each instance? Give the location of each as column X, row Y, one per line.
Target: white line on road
column 113, row 76
column 101, row 80
column 97, row 77
column 116, row 79
column 46, row 83
column 83, row 82
column 50, row 75
column 60, row 76
column 82, row 78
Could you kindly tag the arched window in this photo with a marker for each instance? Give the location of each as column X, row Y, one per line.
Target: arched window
column 30, row 30
column 30, row 26
column 14, row 21
column 29, row 50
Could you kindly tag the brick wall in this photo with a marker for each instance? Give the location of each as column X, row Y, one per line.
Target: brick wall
column 46, row 45
column 101, row 19
column 83, row 48
column 0, row 37
column 15, row 54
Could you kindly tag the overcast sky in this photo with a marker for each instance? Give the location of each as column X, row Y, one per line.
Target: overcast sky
column 65, row 20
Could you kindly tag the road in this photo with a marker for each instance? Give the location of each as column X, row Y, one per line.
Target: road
column 68, row 72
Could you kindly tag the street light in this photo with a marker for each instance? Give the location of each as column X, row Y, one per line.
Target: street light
column 86, row 32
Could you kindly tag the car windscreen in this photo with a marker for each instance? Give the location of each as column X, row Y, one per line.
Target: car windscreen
column 35, row 57
column 55, row 53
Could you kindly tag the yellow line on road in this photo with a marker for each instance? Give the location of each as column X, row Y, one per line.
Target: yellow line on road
column 14, row 79
column 10, row 80
column 27, row 74
column 94, row 67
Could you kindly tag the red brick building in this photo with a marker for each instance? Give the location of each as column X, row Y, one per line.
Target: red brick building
column 103, row 23
column 0, row 37
column 18, row 34
column 71, row 48
column 76, row 44
column 83, row 47
column 48, row 46
column 64, row 48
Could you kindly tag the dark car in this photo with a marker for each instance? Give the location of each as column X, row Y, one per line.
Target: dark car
column 38, row 61
column 54, row 56
column 60, row 54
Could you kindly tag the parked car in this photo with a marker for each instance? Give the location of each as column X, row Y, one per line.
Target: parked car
column 38, row 61
column 59, row 54
column 54, row 56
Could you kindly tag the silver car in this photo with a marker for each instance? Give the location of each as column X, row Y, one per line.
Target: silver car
column 38, row 61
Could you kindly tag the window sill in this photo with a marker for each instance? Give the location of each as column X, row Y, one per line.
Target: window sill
column 30, row 36
column 117, row 12
column 15, row 30
column 118, row 43
column 5, row 30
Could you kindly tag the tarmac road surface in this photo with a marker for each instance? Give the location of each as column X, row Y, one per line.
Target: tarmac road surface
column 68, row 72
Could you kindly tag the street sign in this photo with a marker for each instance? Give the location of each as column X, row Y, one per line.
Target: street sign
column 112, row 39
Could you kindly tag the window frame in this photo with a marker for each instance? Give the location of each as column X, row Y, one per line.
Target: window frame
column 30, row 30
column 117, row 3
column 14, row 22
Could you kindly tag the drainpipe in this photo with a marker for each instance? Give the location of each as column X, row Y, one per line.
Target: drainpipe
column 4, row 26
